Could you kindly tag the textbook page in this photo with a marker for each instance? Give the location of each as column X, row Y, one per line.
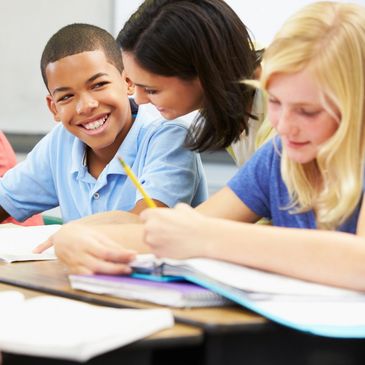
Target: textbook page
column 17, row 243
column 258, row 281
column 78, row 332
column 308, row 307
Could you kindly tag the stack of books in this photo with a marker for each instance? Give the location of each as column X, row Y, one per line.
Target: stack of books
column 156, row 289
column 301, row 305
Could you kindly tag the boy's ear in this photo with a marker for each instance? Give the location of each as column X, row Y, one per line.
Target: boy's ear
column 52, row 107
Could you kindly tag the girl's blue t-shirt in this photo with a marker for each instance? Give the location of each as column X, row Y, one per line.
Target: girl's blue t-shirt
column 261, row 188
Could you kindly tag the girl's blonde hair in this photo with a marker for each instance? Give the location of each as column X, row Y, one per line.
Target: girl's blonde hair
column 328, row 39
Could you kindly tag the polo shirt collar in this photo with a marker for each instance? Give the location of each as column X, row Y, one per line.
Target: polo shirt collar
column 78, row 156
column 128, row 149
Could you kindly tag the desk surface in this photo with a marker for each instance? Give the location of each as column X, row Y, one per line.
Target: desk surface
column 51, row 277
column 226, row 335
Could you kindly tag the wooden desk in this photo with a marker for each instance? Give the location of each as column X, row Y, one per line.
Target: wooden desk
column 230, row 335
column 51, row 277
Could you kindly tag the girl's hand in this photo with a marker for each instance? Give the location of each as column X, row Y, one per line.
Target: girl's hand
column 177, row 233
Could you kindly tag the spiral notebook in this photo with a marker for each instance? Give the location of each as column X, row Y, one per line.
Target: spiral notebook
column 154, row 289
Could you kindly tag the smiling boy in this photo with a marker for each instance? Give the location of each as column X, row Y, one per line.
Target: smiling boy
column 75, row 165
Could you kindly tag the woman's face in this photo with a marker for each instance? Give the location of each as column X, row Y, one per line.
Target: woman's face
column 172, row 96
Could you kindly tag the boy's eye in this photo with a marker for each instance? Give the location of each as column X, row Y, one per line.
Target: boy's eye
column 100, row 84
column 64, row 97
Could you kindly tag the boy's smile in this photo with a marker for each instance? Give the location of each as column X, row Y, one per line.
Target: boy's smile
column 90, row 97
column 94, row 125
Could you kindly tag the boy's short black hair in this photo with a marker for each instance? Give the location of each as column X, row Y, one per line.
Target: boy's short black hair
column 77, row 38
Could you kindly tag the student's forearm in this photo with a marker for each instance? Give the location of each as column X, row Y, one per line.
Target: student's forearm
column 3, row 214
column 127, row 235
column 328, row 257
column 111, row 217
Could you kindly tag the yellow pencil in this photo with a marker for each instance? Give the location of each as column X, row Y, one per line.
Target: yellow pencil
column 133, row 177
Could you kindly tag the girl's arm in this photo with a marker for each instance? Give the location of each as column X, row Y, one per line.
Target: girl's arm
column 326, row 257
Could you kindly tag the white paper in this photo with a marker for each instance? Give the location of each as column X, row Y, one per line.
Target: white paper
column 17, row 243
column 248, row 279
column 258, row 282
column 76, row 330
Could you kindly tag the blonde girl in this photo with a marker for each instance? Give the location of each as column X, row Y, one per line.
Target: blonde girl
column 309, row 179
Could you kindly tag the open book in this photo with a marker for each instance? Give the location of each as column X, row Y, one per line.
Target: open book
column 155, row 289
column 309, row 307
column 17, row 243
column 78, row 332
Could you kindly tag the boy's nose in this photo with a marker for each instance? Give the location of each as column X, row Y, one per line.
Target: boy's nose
column 140, row 96
column 86, row 104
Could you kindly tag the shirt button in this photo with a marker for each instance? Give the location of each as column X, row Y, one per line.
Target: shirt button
column 96, row 196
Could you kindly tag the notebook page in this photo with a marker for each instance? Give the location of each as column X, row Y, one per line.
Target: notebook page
column 79, row 331
column 258, row 281
column 17, row 243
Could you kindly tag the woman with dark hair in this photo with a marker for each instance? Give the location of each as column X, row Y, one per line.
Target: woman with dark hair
column 205, row 45
column 182, row 56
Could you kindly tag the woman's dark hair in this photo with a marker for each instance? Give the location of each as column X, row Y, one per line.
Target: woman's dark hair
column 204, row 39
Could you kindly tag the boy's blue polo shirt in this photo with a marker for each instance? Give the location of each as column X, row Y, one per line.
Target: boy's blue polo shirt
column 55, row 173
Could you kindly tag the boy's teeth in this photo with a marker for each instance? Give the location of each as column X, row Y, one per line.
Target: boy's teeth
column 96, row 124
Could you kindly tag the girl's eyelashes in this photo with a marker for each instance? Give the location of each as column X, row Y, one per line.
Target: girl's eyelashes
column 309, row 113
column 273, row 101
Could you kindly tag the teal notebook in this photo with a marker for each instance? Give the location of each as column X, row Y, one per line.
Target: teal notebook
column 304, row 306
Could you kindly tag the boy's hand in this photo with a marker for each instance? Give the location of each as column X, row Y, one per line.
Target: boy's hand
column 43, row 246
column 86, row 250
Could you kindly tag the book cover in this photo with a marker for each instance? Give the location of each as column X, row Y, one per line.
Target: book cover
column 155, row 289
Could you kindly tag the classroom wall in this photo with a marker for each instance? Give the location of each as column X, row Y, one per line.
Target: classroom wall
column 26, row 25
column 262, row 17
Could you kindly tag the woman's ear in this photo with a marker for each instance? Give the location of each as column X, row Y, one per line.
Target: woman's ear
column 52, row 108
column 130, row 86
